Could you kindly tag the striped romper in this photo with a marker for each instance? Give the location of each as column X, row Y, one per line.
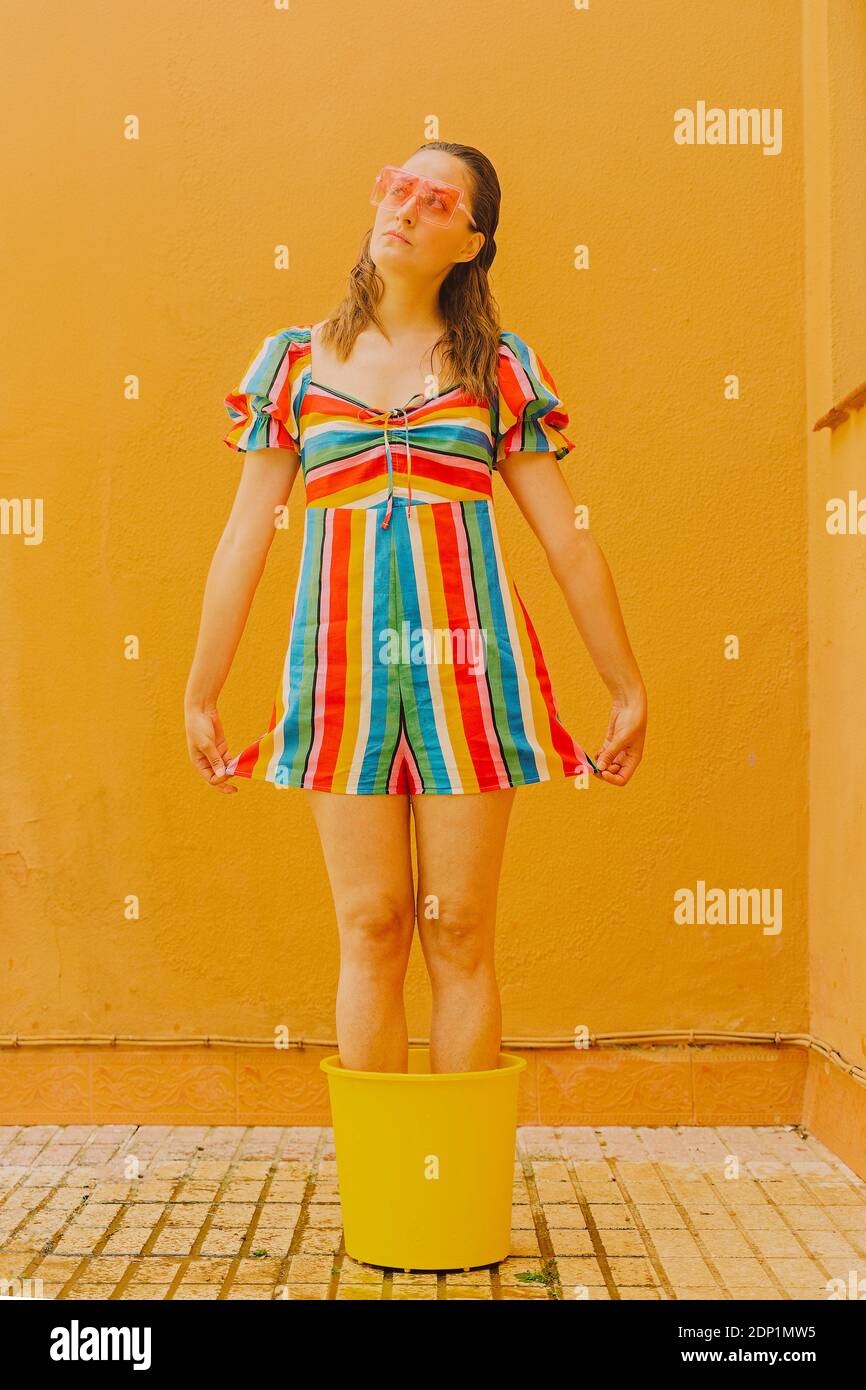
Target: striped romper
column 412, row 664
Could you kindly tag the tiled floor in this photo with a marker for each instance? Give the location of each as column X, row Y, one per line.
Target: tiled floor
column 97, row 1212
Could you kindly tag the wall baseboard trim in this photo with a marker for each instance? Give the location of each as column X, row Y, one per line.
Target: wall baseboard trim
column 679, row 1084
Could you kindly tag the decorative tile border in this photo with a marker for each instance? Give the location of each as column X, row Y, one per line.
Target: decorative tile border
column 661, row 1085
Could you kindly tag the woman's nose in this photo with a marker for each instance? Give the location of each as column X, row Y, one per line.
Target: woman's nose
column 410, row 207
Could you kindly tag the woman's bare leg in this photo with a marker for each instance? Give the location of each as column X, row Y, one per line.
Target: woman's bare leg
column 367, row 849
column 460, row 842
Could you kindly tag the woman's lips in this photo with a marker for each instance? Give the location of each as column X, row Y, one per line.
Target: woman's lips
column 398, row 237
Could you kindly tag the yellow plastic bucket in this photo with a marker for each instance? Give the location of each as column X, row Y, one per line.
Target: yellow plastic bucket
column 425, row 1162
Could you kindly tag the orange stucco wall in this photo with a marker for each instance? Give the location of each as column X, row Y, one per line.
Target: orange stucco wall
column 835, row 44
column 261, row 127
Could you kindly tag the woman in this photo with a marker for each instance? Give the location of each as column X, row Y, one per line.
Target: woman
column 412, row 667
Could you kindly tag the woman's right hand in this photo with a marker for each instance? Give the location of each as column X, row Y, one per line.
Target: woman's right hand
column 623, row 744
column 235, row 570
column 207, row 745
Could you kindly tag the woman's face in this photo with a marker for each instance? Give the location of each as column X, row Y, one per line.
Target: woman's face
column 403, row 243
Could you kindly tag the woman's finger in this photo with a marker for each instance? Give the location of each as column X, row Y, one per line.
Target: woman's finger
column 214, row 757
column 205, row 766
column 621, row 769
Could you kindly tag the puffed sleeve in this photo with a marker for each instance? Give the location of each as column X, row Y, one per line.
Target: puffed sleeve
column 261, row 408
column 531, row 416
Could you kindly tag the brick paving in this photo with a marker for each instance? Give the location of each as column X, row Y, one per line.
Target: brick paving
column 184, row 1212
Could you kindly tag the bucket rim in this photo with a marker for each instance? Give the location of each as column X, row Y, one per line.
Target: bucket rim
column 511, row 1063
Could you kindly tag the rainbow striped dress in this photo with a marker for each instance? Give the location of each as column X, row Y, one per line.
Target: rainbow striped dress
column 412, row 664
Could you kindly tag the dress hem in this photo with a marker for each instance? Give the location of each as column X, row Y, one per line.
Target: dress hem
column 281, row 783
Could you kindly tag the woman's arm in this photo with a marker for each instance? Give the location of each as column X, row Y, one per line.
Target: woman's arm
column 236, row 568
column 579, row 567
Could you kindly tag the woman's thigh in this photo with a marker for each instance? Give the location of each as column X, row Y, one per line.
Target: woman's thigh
column 460, row 844
column 368, row 855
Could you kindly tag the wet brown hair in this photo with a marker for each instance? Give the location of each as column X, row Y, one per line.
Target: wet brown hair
column 469, row 344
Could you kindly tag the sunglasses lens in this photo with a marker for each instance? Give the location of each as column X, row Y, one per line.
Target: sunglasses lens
column 396, row 187
column 439, row 202
column 380, row 187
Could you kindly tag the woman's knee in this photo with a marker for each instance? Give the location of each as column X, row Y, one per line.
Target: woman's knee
column 376, row 929
column 459, row 937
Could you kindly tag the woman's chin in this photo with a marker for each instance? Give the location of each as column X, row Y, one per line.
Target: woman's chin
column 390, row 247
column 391, row 253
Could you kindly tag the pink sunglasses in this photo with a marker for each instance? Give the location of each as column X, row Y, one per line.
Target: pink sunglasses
column 437, row 201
